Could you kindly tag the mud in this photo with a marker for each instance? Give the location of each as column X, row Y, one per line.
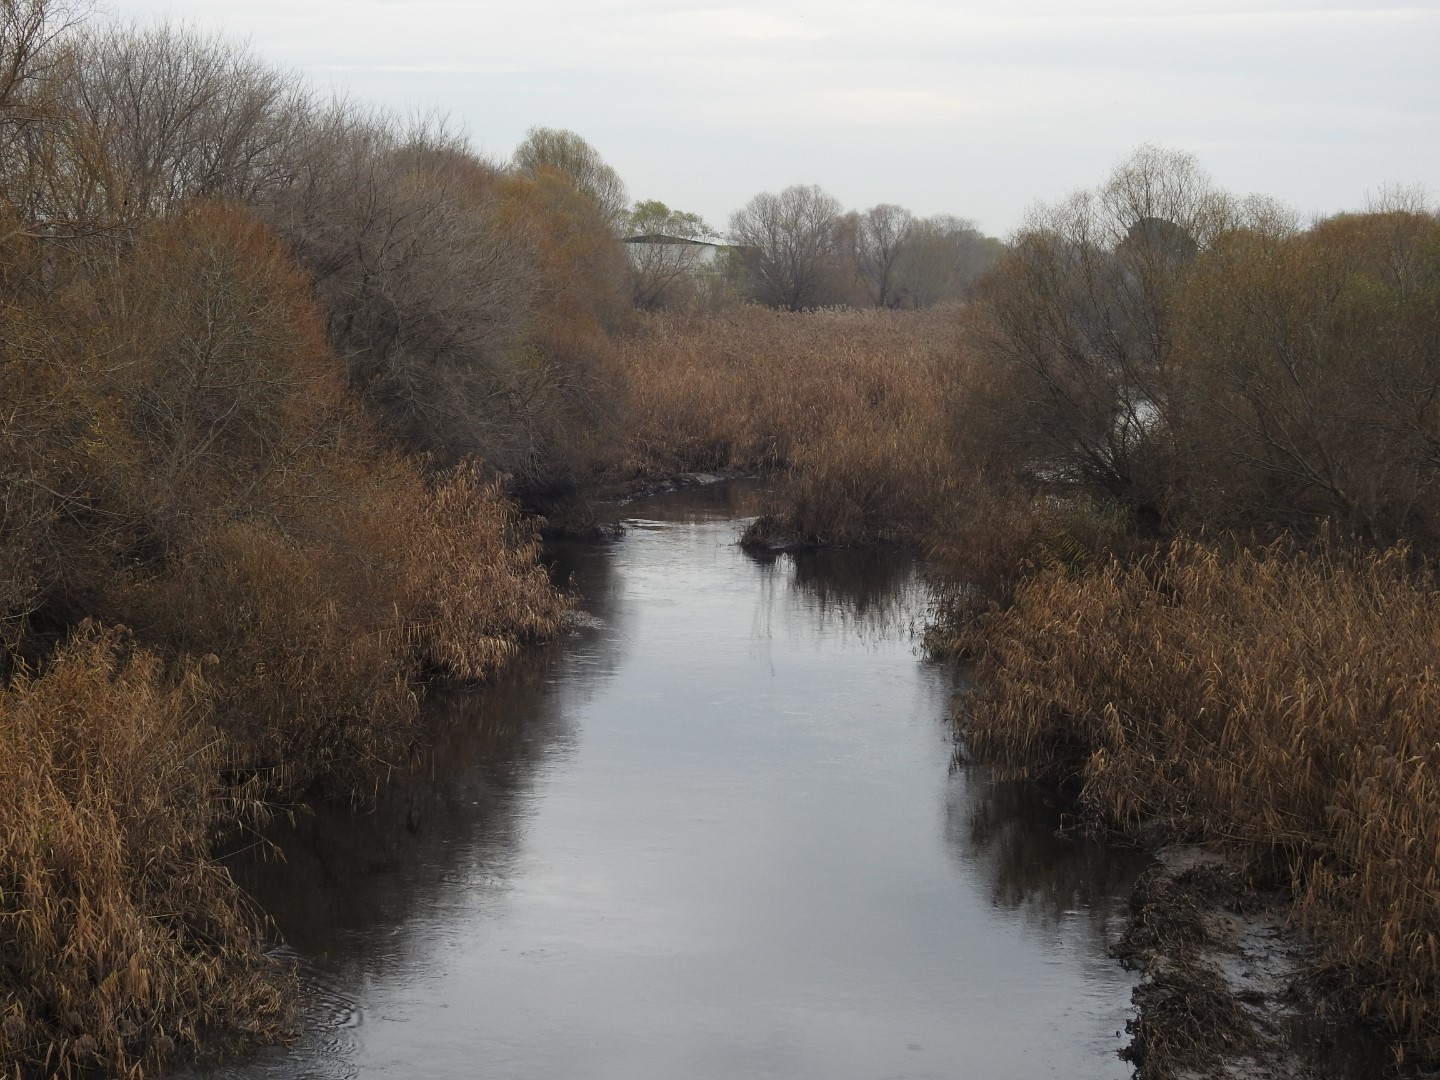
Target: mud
column 1229, row 990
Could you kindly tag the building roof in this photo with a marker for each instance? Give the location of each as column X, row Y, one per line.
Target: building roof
column 666, row 238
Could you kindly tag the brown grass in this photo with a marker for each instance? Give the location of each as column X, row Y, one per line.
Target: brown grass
column 122, row 939
column 859, row 408
column 1282, row 702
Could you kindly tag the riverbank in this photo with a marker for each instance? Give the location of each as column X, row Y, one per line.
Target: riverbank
column 1275, row 704
column 223, row 585
column 1230, row 988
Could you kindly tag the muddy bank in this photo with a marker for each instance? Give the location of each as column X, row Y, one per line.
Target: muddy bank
column 1229, row 991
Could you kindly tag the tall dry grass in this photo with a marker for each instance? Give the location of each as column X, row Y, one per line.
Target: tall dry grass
column 859, row 409
column 1282, row 702
column 122, row 939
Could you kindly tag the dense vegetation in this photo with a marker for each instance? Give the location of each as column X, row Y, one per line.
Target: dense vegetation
column 278, row 374
column 1219, row 624
column 1179, row 456
column 252, row 347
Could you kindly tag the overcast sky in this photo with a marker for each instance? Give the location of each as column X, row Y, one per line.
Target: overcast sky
column 976, row 109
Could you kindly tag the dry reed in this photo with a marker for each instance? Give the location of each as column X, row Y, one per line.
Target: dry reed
column 859, row 408
column 122, row 939
column 1285, row 703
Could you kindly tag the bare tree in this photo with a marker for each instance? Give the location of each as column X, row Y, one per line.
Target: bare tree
column 430, row 288
column 165, row 114
column 36, row 58
column 788, row 244
column 30, row 30
column 1310, row 378
column 944, row 258
column 1079, row 314
column 882, row 237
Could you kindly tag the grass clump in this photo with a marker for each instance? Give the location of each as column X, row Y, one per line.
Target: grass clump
column 123, row 939
column 1280, row 701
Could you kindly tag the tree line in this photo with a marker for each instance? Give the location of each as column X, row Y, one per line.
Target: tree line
column 799, row 250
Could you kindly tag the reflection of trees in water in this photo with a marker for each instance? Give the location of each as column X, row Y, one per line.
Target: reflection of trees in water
column 1036, row 857
column 874, row 594
column 586, row 568
column 350, row 877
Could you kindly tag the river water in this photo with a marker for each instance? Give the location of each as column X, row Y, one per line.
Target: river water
column 715, row 832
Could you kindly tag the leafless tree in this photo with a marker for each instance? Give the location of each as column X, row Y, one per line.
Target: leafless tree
column 1079, row 313
column 667, row 249
column 30, row 30
column 429, row 288
column 165, row 114
column 882, row 238
column 1310, row 378
column 36, row 57
column 789, row 245
column 943, row 260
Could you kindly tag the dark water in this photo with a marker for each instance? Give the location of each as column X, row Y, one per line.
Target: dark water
column 715, row 833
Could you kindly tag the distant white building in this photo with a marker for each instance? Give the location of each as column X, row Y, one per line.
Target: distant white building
column 659, row 248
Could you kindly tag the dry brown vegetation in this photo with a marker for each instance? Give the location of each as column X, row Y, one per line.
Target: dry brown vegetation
column 1280, row 701
column 224, row 566
column 272, row 368
column 123, row 939
column 860, row 409
column 186, row 460
column 1165, row 361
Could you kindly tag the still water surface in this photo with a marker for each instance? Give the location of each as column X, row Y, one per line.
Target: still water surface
column 713, row 833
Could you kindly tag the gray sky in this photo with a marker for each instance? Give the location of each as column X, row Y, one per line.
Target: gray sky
column 972, row 108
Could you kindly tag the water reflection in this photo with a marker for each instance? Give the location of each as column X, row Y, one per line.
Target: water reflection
column 1034, row 856
column 711, row 833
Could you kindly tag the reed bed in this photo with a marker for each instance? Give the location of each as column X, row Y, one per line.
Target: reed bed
column 122, row 939
column 857, row 410
column 1284, row 703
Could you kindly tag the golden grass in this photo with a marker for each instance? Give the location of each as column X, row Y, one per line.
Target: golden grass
column 1282, row 702
column 122, row 939
column 322, row 622
column 859, row 408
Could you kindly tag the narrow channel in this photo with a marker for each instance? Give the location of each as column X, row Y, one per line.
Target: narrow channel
column 715, row 832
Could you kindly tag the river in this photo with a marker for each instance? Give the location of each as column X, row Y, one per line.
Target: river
column 715, row 832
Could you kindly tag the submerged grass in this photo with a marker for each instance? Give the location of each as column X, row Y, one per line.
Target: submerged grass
column 1284, row 703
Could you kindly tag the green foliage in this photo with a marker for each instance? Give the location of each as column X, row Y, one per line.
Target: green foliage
column 567, row 154
column 653, row 217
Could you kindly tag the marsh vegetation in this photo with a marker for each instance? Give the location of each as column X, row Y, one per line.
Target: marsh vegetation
column 284, row 381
